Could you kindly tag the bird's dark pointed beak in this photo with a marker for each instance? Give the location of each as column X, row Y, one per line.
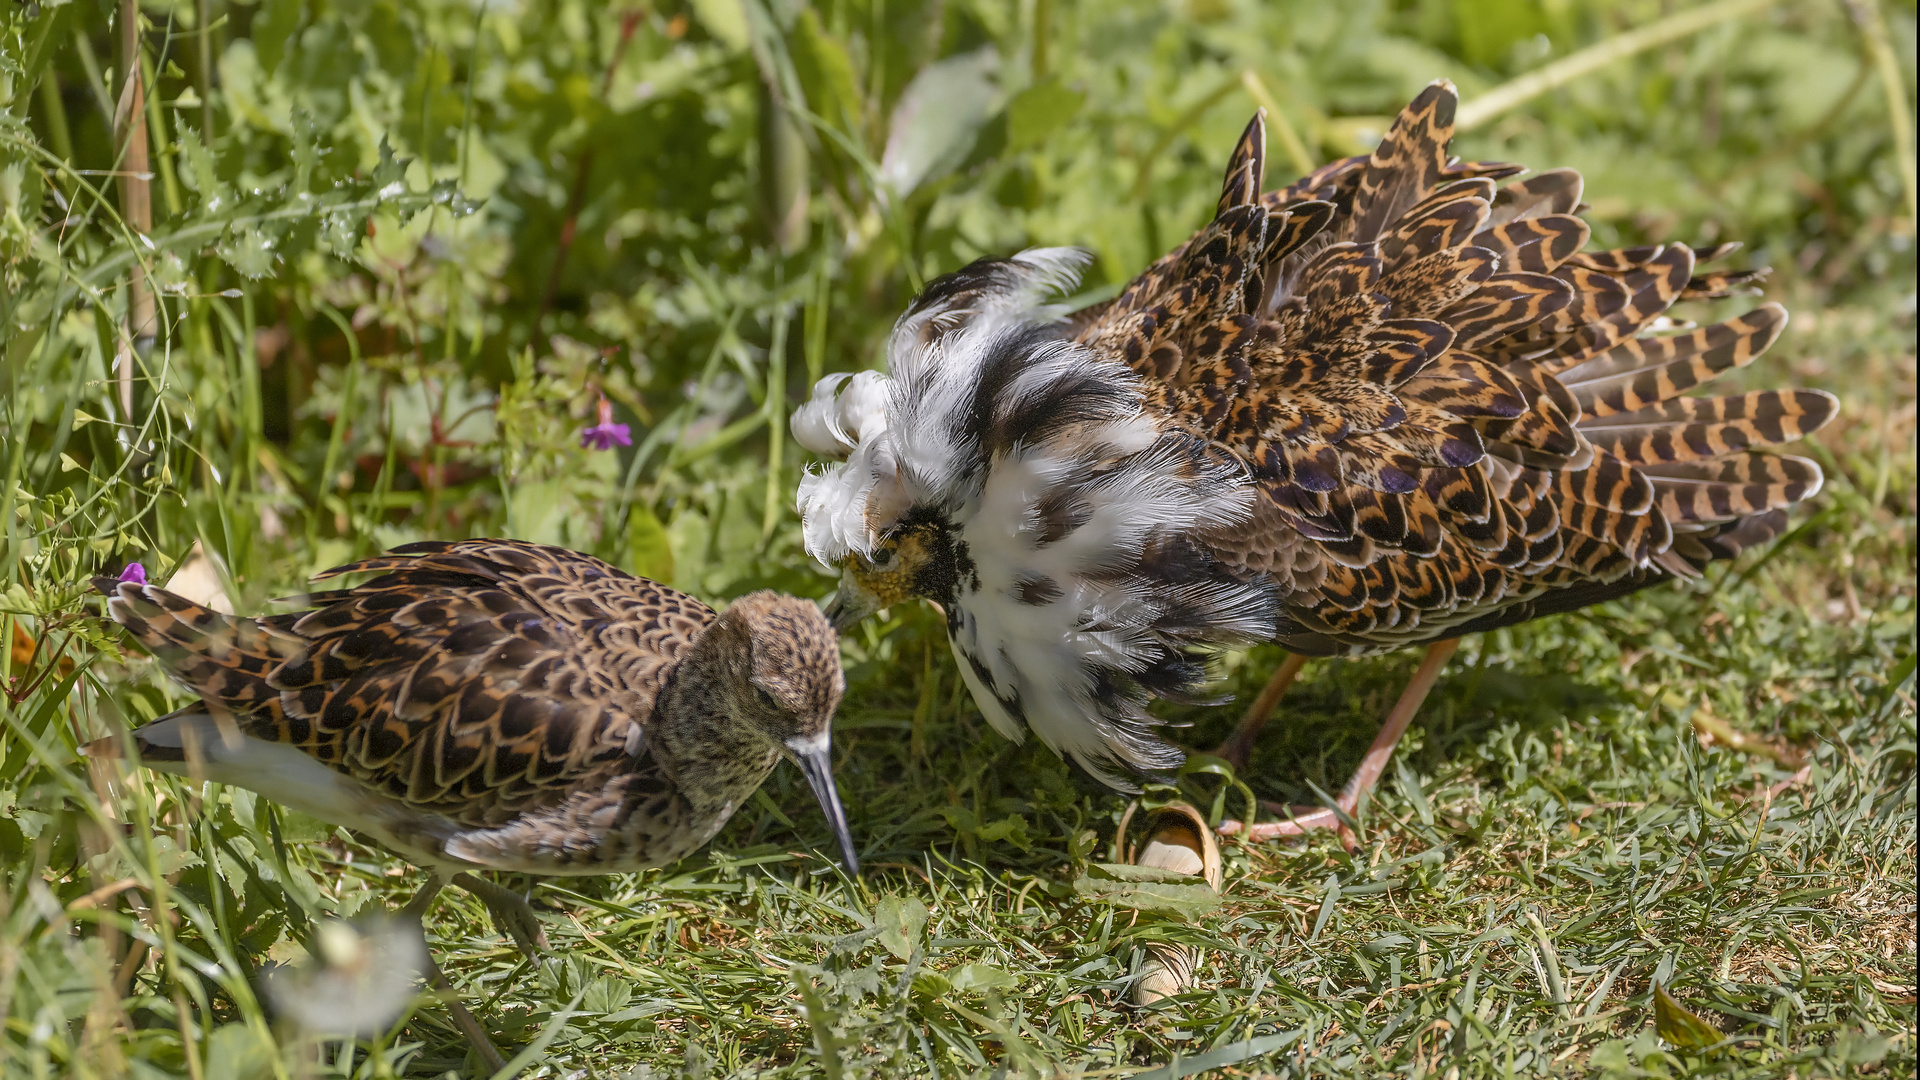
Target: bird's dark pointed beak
column 851, row 603
column 836, row 613
column 815, row 758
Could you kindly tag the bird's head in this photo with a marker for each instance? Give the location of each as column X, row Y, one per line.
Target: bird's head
column 785, row 683
column 913, row 560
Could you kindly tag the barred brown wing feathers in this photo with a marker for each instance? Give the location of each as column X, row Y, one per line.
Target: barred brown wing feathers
column 1451, row 415
column 1332, row 183
column 476, row 679
column 1650, row 287
column 1553, row 192
column 1731, row 487
column 1695, row 429
column 1647, row 371
column 1406, row 166
column 1246, row 169
column 1444, row 221
column 1536, row 245
column 224, row 659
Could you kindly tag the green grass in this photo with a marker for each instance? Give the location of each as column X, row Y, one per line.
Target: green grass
column 399, row 247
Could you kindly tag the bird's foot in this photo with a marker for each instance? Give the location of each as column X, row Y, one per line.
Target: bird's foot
column 1299, row 820
column 511, row 913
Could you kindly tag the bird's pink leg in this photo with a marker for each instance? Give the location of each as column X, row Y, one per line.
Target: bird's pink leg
column 1371, row 766
column 1238, row 748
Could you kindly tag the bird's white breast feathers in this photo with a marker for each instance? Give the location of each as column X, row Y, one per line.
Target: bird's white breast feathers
column 1068, row 507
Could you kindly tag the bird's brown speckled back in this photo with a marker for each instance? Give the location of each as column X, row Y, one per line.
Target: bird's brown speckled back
column 478, row 679
column 1452, row 417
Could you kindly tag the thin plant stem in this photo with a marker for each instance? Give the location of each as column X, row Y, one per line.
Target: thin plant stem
column 1516, row 92
column 1875, row 35
column 136, row 195
column 577, row 196
column 157, row 125
column 815, row 317
column 337, row 437
column 473, row 78
column 1042, row 38
column 1179, row 127
column 776, row 409
column 59, row 132
column 203, row 78
column 96, row 80
column 1290, row 142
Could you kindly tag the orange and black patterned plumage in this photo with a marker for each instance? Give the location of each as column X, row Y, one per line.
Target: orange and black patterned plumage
column 1405, row 404
column 498, row 704
column 1447, row 411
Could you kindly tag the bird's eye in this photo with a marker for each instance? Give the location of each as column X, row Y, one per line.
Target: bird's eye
column 765, row 698
column 881, row 557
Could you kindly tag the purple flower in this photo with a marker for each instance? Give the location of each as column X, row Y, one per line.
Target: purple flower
column 606, row 434
column 134, row 573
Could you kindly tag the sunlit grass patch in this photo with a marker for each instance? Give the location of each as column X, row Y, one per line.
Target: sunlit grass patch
column 402, row 256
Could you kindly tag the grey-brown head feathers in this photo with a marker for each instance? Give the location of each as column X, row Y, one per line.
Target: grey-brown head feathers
column 787, row 661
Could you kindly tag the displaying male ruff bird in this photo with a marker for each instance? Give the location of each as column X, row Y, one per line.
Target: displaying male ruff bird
column 492, row 704
column 1391, row 404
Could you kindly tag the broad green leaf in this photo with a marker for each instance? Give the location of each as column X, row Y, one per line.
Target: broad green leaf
column 341, row 234
column 12, row 179
column 826, row 75
column 1860, row 1047
column 900, row 920
column 306, row 150
column 1039, row 111
column 201, row 173
column 649, row 551
column 1147, row 889
column 390, row 170
column 935, row 123
column 607, row 995
column 238, row 1052
column 1220, row 1058
column 931, row 984
column 250, row 253
column 1011, row 828
column 170, row 857
column 534, row 512
column 1680, row 1026
column 1130, row 872
column 248, row 90
column 298, row 828
column 726, row 20
column 29, row 822
column 979, row 977
column 273, row 27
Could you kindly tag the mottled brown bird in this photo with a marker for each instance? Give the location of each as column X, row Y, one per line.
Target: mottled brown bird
column 492, row 704
column 1392, row 404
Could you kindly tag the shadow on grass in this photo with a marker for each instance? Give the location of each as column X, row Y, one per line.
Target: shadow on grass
column 1324, row 724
